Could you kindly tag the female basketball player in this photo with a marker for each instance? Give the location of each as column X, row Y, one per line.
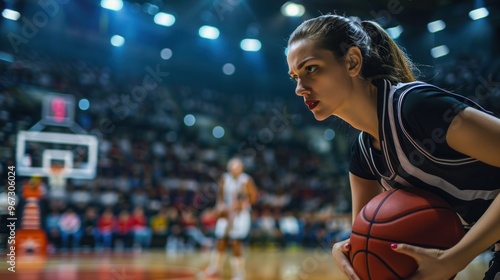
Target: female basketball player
column 413, row 134
column 237, row 192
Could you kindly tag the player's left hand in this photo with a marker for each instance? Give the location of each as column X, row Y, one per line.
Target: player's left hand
column 237, row 207
column 432, row 263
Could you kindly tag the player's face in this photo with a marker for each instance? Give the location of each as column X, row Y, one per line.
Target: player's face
column 322, row 79
column 235, row 168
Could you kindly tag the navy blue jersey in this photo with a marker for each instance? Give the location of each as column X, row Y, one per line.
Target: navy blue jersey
column 413, row 121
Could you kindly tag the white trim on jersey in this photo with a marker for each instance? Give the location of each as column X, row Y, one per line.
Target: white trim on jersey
column 430, row 179
column 464, row 160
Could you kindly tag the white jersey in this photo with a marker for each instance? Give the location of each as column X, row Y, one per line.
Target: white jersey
column 241, row 221
column 234, row 187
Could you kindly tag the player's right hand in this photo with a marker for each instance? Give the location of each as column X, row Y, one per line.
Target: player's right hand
column 339, row 253
column 221, row 210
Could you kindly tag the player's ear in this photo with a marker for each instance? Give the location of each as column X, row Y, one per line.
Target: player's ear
column 353, row 60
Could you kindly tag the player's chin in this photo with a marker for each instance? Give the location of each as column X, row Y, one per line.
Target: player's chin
column 319, row 116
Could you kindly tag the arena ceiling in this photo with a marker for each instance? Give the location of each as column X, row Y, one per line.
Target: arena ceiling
column 86, row 27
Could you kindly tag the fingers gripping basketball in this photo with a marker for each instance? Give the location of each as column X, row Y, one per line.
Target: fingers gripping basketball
column 400, row 216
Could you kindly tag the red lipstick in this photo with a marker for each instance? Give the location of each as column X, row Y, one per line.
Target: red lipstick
column 311, row 104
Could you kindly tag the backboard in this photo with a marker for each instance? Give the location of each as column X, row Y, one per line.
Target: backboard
column 37, row 152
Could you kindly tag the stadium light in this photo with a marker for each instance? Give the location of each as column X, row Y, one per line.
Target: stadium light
column 189, row 120
column 117, row 40
column 114, row 5
column 479, row 13
column 436, row 26
column 228, row 69
column 84, row 104
column 209, row 32
column 395, row 32
column 164, row 19
column 250, row 45
column 166, row 53
column 291, row 9
column 439, row 51
column 218, row 132
column 11, row 14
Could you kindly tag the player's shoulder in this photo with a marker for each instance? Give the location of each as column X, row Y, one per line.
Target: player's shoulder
column 414, row 96
column 412, row 88
column 415, row 92
column 224, row 176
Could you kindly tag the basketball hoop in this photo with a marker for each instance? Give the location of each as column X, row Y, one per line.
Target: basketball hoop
column 57, row 176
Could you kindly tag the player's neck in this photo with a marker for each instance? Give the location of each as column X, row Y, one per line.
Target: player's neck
column 362, row 110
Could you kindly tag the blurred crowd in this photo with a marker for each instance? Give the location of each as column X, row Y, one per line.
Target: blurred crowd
column 157, row 178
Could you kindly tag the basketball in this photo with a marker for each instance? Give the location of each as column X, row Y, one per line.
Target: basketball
column 413, row 217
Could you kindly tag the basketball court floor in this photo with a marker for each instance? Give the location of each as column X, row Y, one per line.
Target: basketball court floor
column 159, row 265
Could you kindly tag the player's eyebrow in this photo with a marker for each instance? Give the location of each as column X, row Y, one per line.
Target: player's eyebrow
column 301, row 63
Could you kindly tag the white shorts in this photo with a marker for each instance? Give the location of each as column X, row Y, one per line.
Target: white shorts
column 239, row 229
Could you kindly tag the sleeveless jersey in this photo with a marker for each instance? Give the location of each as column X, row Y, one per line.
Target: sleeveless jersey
column 234, row 187
column 239, row 226
column 413, row 120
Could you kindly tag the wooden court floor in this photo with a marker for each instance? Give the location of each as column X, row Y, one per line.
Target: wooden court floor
column 159, row 265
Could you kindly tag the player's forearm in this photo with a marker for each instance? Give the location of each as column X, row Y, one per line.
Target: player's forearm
column 241, row 204
column 220, row 197
column 482, row 235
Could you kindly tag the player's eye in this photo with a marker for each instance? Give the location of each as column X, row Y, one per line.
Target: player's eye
column 294, row 78
column 311, row 68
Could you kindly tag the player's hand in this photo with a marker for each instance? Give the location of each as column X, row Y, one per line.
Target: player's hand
column 432, row 263
column 221, row 210
column 339, row 252
column 239, row 206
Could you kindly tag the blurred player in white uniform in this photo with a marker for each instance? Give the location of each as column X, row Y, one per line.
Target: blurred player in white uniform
column 237, row 192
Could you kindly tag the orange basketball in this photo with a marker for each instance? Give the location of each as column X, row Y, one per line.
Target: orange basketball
column 411, row 216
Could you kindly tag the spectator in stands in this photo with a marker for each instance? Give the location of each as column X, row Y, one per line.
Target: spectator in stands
column 140, row 229
column 290, row 229
column 123, row 233
column 70, row 226
column 175, row 237
column 180, row 197
column 159, row 227
column 80, row 199
column 310, row 229
column 139, row 197
column 190, row 226
column 90, row 231
column 105, row 227
column 122, row 183
column 280, row 199
column 109, row 197
column 52, row 229
column 208, row 219
column 266, row 229
column 338, row 228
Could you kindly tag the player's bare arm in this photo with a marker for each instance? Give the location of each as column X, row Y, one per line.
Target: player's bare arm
column 362, row 191
column 220, row 206
column 477, row 135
